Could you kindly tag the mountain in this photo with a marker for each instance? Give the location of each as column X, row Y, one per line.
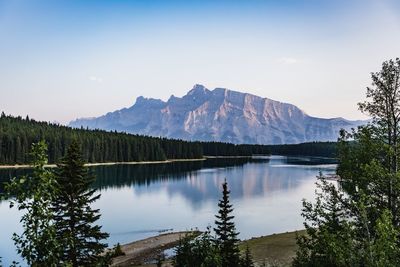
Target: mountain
column 220, row 115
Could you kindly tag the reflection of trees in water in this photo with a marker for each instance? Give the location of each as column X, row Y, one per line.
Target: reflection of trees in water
column 7, row 174
column 116, row 176
column 126, row 175
column 200, row 181
column 249, row 181
column 310, row 160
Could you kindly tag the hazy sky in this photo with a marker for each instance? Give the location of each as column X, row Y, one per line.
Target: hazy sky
column 60, row 60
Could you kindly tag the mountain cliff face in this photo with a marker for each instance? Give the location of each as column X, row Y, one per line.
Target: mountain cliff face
column 220, row 115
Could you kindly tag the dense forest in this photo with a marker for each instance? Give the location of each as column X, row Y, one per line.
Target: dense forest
column 315, row 149
column 17, row 134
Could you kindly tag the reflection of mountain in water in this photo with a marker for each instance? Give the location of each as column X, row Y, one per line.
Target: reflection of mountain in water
column 249, row 181
column 200, row 181
column 116, row 176
column 148, row 174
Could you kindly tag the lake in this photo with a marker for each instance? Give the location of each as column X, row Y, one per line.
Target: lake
column 139, row 201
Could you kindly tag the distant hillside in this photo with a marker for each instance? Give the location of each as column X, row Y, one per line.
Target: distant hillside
column 220, row 115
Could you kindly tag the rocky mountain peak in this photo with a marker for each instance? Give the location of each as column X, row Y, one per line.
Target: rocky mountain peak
column 198, row 89
column 220, row 115
column 143, row 101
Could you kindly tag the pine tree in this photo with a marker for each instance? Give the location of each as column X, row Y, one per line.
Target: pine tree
column 75, row 219
column 226, row 235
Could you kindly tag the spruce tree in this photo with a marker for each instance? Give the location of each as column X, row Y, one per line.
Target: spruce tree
column 74, row 218
column 226, row 235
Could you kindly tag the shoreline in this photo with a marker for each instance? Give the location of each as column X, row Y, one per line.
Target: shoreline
column 146, row 250
column 27, row 166
column 279, row 248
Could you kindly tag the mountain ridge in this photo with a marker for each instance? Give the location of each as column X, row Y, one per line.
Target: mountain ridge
column 220, row 115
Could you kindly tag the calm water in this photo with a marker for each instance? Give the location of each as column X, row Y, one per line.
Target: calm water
column 140, row 200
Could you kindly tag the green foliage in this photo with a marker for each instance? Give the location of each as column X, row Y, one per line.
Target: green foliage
column 226, row 235
column 16, row 135
column 74, row 218
column 227, row 149
column 357, row 222
column 385, row 249
column 315, row 149
column 329, row 239
column 219, row 251
column 197, row 251
column 34, row 195
column 383, row 105
column 349, row 224
column 247, row 260
column 118, row 251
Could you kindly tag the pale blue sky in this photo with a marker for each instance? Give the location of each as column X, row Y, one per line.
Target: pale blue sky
column 66, row 59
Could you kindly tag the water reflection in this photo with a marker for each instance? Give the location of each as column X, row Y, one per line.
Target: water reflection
column 7, row 174
column 199, row 182
column 139, row 200
column 116, row 176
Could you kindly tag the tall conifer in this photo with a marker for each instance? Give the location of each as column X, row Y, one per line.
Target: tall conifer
column 225, row 230
column 74, row 217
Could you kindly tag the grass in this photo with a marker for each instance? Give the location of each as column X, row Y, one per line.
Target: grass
column 274, row 250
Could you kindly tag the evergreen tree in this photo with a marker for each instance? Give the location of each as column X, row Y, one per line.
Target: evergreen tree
column 16, row 135
column 219, row 251
column 74, row 218
column 247, row 259
column 226, row 235
column 34, row 194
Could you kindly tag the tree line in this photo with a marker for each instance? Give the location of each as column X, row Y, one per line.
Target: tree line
column 315, row 149
column 17, row 134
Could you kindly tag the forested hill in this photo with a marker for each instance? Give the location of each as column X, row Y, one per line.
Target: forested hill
column 17, row 135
